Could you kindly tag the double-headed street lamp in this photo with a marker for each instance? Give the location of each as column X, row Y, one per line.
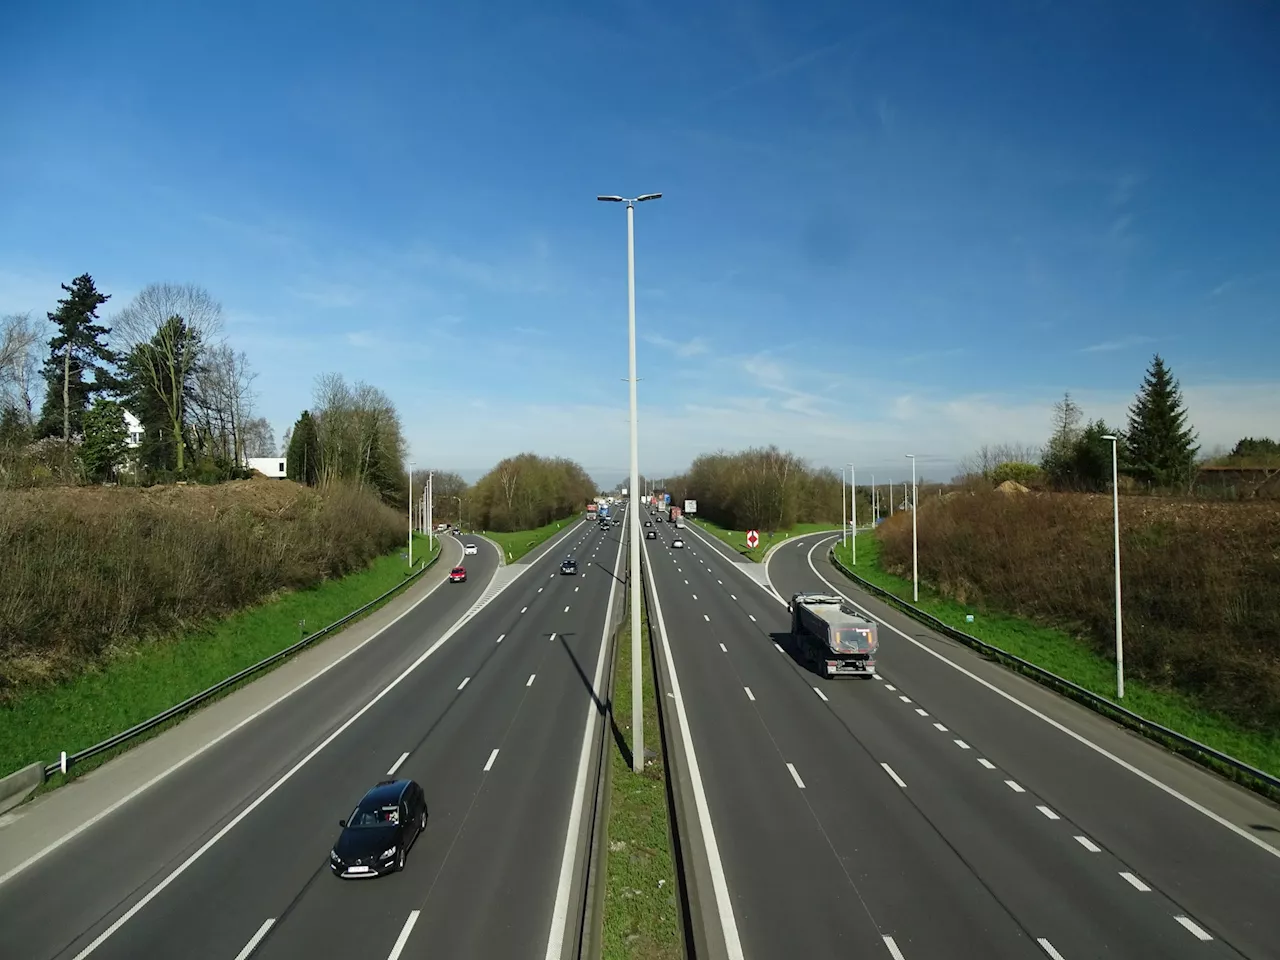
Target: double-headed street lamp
column 637, row 675
column 1115, row 513
column 915, row 565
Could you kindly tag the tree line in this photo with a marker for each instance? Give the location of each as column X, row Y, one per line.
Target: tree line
column 69, row 384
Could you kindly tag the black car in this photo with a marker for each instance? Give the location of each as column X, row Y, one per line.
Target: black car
column 651, row 534
column 570, row 565
column 377, row 836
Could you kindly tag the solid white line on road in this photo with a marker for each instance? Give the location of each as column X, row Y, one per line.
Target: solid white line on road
column 1014, row 786
column 961, row 744
column 890, row 686
column 401, row 940
column 1088, row 844
column 795, row 776
column 896, row 779
column 706, row 618
column 904, row 699
column 530, row 681
column 523, row 609
column 820, row 693
column 1048, row 812
column 751, row 618
column 893, row 948
column 566, row 608
column 255, row 940
column 724, row 648
column 465, row 681
column 940, row 728
column 1047, row 947
column 1196, row 930
column 986, row 763
column 695, row 596
column 750, row 696
column 1134, row 882
column 778, row 648
column 501, row 637
column 396, row 766
column 488, row 764
column 922, row 711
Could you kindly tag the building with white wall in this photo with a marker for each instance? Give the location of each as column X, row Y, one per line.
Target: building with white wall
column 273, row 467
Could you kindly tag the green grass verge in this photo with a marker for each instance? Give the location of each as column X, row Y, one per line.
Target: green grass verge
column 641, row 907
column 141, row 680
column 519, row 542
column 1071, row 658
column 737, row 539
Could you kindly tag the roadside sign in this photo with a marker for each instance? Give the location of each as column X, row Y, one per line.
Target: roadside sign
column 691, row 506
column 753, row 537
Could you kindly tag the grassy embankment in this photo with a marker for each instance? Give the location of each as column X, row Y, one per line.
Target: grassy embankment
column 273, row 549
column 1068, row 650
column 517, row 543
column 737, row 539
column 641, row 907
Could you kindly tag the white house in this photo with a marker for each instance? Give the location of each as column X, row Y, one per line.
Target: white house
column 134, row 427
column 273, row 467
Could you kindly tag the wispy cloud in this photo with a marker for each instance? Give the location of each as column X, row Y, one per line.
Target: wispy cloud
column 328, row 295
column 1124, row 343
column 692, row 347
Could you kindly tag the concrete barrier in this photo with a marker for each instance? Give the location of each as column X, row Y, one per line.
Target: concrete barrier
column 17, row 786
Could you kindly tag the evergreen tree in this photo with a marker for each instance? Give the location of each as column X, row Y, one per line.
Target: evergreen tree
column 75, row 350
column 104, row 439
column 159, row 382
column 157, row 451
column 1059, row 453
column 302, row 460
column 1161, row 446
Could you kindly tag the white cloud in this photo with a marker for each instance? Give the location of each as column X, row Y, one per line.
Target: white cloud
column 693, row 347
column 1123, row 343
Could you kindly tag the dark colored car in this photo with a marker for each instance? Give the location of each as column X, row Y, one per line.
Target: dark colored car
column 458, row 575
column 648, row 523
column 377, row 836
column 651, row 534
column 570, row 566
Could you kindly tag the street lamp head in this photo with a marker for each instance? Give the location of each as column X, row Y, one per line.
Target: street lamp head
column 1109, row 436
column 911, row 456
column 648, row 196
column 611, row 199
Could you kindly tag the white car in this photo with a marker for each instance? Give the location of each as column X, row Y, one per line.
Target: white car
column 677, row 544
column 469, row 549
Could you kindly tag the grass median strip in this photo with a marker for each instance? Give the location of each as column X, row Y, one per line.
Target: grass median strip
column 515, row 544
column 737, row 539
column 143, row 679
column 1058, row 651
column 641, row 908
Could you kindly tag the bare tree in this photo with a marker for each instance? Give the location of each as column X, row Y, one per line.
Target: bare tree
column 257, row 437
column 20, row 336
column 165, row 330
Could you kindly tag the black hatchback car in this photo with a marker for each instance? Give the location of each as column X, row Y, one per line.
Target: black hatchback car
column 569, row 566
column 377, row 836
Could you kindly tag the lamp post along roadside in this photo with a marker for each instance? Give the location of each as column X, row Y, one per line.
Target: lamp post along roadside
column 915, row 563
column 853, row 514
column 875, row 512
column 431, row 521
column 891, row 496
column 844, row 512
column 633, row 514
column 1115, row 514
column 412, row 464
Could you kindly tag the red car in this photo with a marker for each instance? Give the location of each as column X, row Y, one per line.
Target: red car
column 458, row 575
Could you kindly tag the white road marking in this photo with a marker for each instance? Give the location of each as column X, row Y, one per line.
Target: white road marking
column 523, row 609
column 686, row 583
column 488, row 764
column 922, row 711
column 530, row 681
column 940, row 728
column 566, row 608
column 724, row 648
column 1047, row 947
column 893, row 948
column 706, row 618
column 553, row 638
column 1134, row 882
column 779, row 649
column 1088, row 844
column 904, row 699
column 1014, row 786
column 721, row 582
column 820, row 693
column 732, row 597
column 501, row 636
column 1040, row 715
column 255, row 940
column 896, row 779
column 401, row 940
column 795, row 776
column 961, row 744
column 540, row 589
column 1196, row 930
column 750, row 696
column 890, row 686
column 751, row 618
column 1048, row 812
column 695, row 596
column 575, row 589
column 396, row 766
column 465, row 681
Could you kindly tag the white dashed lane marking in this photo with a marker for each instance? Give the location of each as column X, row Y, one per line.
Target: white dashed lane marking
column 795, row 776
column 1134, row 882
column 465, row 681
column 1088, row 844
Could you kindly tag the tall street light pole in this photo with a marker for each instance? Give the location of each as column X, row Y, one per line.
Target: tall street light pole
column 844, row 512
column 412, row 464
column 1115, row 513
column 430, row 508
column 853, row 514
column 633, row 515
column 915, row 564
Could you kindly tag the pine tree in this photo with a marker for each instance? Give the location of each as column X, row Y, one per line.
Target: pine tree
column 302, row 462
column 1059, row 452
column 75, row 350
column 1161, row 448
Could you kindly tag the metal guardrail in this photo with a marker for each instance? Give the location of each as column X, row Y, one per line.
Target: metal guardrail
column 1259, row 781
column 199, row 698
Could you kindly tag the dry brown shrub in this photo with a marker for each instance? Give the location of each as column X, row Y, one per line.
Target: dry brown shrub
column 1201, row 581
column 86, row 568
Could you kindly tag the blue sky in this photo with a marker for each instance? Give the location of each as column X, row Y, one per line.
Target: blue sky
column 886, row 228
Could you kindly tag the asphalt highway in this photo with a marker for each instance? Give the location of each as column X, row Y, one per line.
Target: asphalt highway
column 228, row 857
column 922, row 815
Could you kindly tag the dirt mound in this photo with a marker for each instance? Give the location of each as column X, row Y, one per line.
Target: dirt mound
column 1012, row 486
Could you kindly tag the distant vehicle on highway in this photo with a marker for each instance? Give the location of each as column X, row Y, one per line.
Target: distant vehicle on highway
column 648, row 523
column 569, row 566
column 469, row 549
column 834, row 637
column 376, row 838
column 651, row 534
column 458, row 575
column 677, row 544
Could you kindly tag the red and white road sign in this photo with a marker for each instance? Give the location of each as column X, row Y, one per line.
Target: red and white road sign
column 753, row 537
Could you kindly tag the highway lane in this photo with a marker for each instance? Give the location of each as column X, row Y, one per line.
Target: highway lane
column 932, row 850
column 1225, row 884
column 64, row 901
